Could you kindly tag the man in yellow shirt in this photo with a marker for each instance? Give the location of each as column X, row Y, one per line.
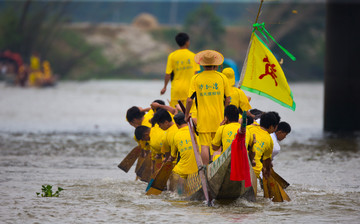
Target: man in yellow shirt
column 180, row 68
column 165, row 122
column 136, row 116
column 237, row 96
column 208, row 88
column 263, row 145
column 182, row 143
column 226, row 133
column 154, row 137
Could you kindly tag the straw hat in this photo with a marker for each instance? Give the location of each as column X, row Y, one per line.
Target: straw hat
column 209, row 57
column 230, row 74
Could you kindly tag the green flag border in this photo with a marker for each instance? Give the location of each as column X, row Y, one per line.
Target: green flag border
column 293, row 107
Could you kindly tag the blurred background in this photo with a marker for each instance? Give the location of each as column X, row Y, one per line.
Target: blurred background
column 122, row 39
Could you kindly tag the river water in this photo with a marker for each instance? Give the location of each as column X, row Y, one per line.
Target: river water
column 74, row 135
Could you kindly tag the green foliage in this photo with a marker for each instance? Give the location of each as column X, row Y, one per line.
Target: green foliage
column 47, row 191
column 205, row 28
column 31, row 26
column 75, row 58
column 9, row 37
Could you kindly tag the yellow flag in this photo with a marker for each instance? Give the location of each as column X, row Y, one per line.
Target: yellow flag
column 264, row 76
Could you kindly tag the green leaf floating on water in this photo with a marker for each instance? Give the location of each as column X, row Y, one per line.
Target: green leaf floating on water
column 47, row 191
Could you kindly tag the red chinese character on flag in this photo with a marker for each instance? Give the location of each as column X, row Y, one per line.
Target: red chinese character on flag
column 269, row 70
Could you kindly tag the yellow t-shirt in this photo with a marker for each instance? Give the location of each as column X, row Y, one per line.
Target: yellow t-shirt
column 210, row 88
column 168, row 139
column 225, row 135
column 147, row 117
column 34, row 63
column 182, row 143
column 146, row 122
column 182, row 63
column 239, row 99
column 263, row 146
column 156, row 140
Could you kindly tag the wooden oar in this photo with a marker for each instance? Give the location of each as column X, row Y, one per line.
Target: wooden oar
column 266, row 189
column 283, row 183
column 130, row 159
column 197, row 157
column 144, row 172
column 272, row 189
column 158, row 184
column 158, row 164
column 283, row 194
column 139, row 163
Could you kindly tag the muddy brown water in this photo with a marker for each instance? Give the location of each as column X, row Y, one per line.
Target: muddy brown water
column 74, row 135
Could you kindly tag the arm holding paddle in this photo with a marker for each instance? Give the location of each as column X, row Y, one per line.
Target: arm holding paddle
column 266, row 167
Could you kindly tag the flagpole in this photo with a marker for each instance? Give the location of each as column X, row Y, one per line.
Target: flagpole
column 247, row 52
column 257, row 17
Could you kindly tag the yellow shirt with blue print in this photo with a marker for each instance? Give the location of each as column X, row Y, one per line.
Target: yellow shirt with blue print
column 182, row 63
column 210, row 88
column 182, row 144
column 263, row 146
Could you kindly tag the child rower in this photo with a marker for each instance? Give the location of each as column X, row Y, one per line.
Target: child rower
column 165, row 122
column 182, row 143
column 263, row 144
column 153, row 136
column 282, row 130
column 225, row 134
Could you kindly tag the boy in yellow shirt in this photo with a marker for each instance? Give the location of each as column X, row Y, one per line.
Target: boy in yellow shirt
column 226, row 133
column 165, row 122
column 208, row 88
column 182, row 143
column 154, row 137
column 180, row 68
column 263, row 145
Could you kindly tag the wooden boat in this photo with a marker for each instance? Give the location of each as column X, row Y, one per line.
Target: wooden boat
column 219, row 183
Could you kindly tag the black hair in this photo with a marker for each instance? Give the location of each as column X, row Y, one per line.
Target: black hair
column 284, row 127
column 276, row 115
column 232, row 113
column 159, row 102
column 181, row 39
column 249, row 120
column 161, row 116
column 256, row 112
column 267, row 119
column 179, row 118
column 140, row 132
column 134, row 113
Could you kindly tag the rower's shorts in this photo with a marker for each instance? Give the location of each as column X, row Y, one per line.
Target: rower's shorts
column 206, row 138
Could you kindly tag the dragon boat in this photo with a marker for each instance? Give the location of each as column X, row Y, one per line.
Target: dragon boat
column 218, row 181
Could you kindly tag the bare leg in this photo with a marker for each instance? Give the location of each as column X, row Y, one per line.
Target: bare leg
column 205, row 152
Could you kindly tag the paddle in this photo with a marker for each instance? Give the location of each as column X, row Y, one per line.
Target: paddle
column 283, row 194
column 157, row 166
column 158, row 184
column 130, row 159
column 197, row 157
column 144, row 171
column 283, row 183
column 272, row 189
